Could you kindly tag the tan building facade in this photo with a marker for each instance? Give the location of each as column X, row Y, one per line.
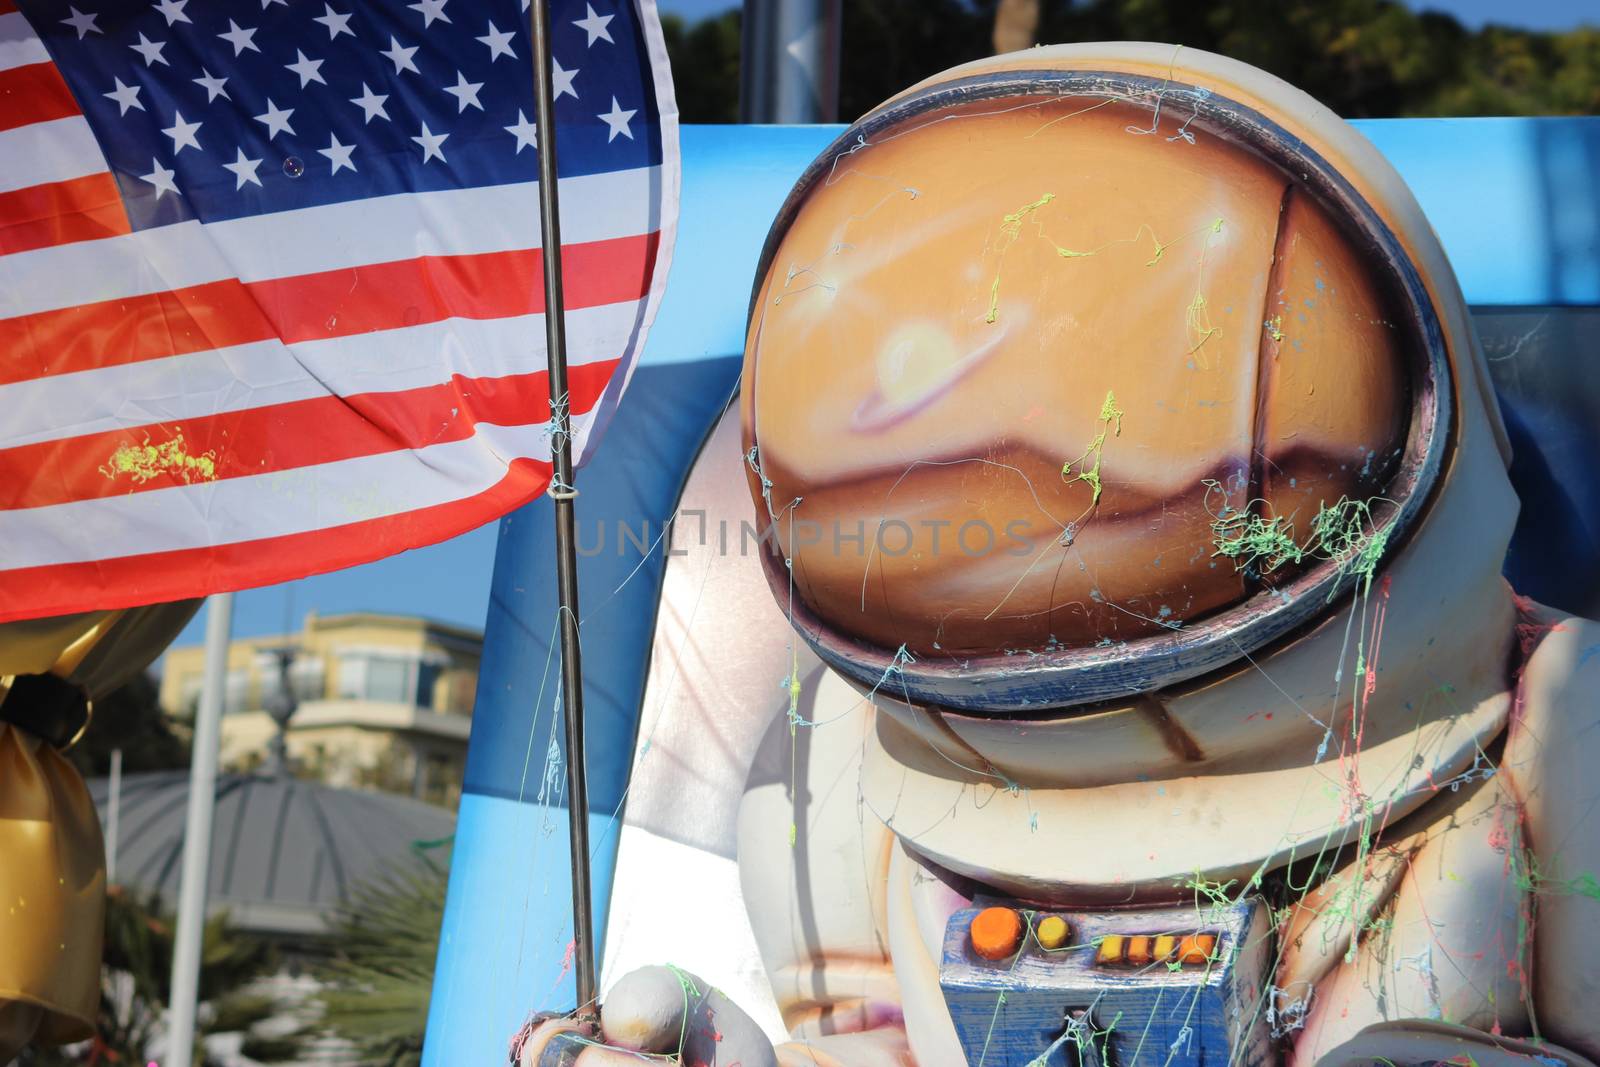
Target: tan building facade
column 385, row 701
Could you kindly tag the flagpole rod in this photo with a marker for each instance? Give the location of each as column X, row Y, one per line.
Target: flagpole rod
column 563, row 493
column 190, row 937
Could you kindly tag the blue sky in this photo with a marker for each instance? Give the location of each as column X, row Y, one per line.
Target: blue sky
column 450, row 581
column 1528, row 14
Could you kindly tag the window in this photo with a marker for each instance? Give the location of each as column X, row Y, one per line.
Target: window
column 305, row 678
column 392, row 677
column 387, row 678
column 235, row 693
column 427, row 678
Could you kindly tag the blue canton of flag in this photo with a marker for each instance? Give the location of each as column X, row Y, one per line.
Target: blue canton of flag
column 238, row 106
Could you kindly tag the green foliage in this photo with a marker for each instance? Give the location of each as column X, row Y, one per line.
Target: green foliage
column 372, row 1003
column 375, row 987
column 1363, row 58
column 137, row 972
column 707, row 54
column 130, row 718
column 889, row 45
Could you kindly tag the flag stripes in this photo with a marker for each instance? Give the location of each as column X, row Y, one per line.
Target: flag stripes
column 299, row 388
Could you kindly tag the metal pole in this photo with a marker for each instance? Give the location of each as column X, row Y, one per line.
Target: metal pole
column 197, row 835
column 789, row 61
column 563, row 493
column 113, row 816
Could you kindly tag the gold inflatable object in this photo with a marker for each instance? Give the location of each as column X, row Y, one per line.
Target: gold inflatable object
column 52, row 857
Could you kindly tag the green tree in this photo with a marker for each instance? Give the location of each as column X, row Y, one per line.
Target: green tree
column 135, row 977
column 130, row 718
column 376, row 984
column 708, row 52
column 1363, row 58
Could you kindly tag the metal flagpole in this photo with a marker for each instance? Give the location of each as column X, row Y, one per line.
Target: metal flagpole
column 114, row 817
column 197, row 835
column 789, row 61
column 562, row 492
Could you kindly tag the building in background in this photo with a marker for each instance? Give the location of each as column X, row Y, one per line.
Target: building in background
column 385, row 701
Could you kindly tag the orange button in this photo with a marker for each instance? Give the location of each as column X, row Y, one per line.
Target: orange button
column 1139, row 950
column 1196, row 948
column 1052, row 932
column 1110, row 949
column 1166, row 945
column 996, row 933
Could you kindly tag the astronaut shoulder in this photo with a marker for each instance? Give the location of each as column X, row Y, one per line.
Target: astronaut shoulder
column 1553, row 743
column 1563, row 668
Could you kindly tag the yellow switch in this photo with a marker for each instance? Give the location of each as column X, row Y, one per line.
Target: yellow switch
column 1110, row 949
column 1166, row 945
column 1052, row 932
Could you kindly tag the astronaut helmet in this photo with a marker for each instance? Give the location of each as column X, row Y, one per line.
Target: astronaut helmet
column 1082, row 372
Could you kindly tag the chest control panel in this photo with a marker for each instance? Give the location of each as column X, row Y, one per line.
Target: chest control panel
column 1150, row 987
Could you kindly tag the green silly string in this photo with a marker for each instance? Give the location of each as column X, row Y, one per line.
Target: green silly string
column 145, row 462
column 1197, row 318
column 1344, row 533
column 1089, row 474
column 1010, row 230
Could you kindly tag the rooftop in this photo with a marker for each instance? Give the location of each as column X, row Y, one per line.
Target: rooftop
column 445, row 631
column 284, row 852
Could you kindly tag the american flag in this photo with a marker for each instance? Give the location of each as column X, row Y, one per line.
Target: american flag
column 271, row 296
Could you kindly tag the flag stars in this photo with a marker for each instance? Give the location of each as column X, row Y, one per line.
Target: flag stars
column 126, row 96
column 335, row 22
column 242, row 39
column 277, row 121
column 151, row 50
column 430, row 10
column 562, row 79
column 370, row 103
column 430, row 143
column 244, row 170
column 172, row 11
column 617, row 119
column 161, row 177
column 401, row 57
column 465, row 92
column 498, row 43
column 339, row 154
column 526, row 132
column 182, row 133
column 308, row 69
column 595, row 26
column 212, row 86
column 84, row 24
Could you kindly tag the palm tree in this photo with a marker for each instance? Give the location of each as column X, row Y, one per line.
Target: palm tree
column 137, row 972
column 375, row 988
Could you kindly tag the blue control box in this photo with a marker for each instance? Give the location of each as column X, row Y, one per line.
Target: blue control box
column 1152, row 987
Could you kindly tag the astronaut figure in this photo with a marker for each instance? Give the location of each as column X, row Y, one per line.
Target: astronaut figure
column 1137, row 484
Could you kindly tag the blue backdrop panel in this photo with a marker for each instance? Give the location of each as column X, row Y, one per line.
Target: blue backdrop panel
column 508, row 918
column 1514, row 202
